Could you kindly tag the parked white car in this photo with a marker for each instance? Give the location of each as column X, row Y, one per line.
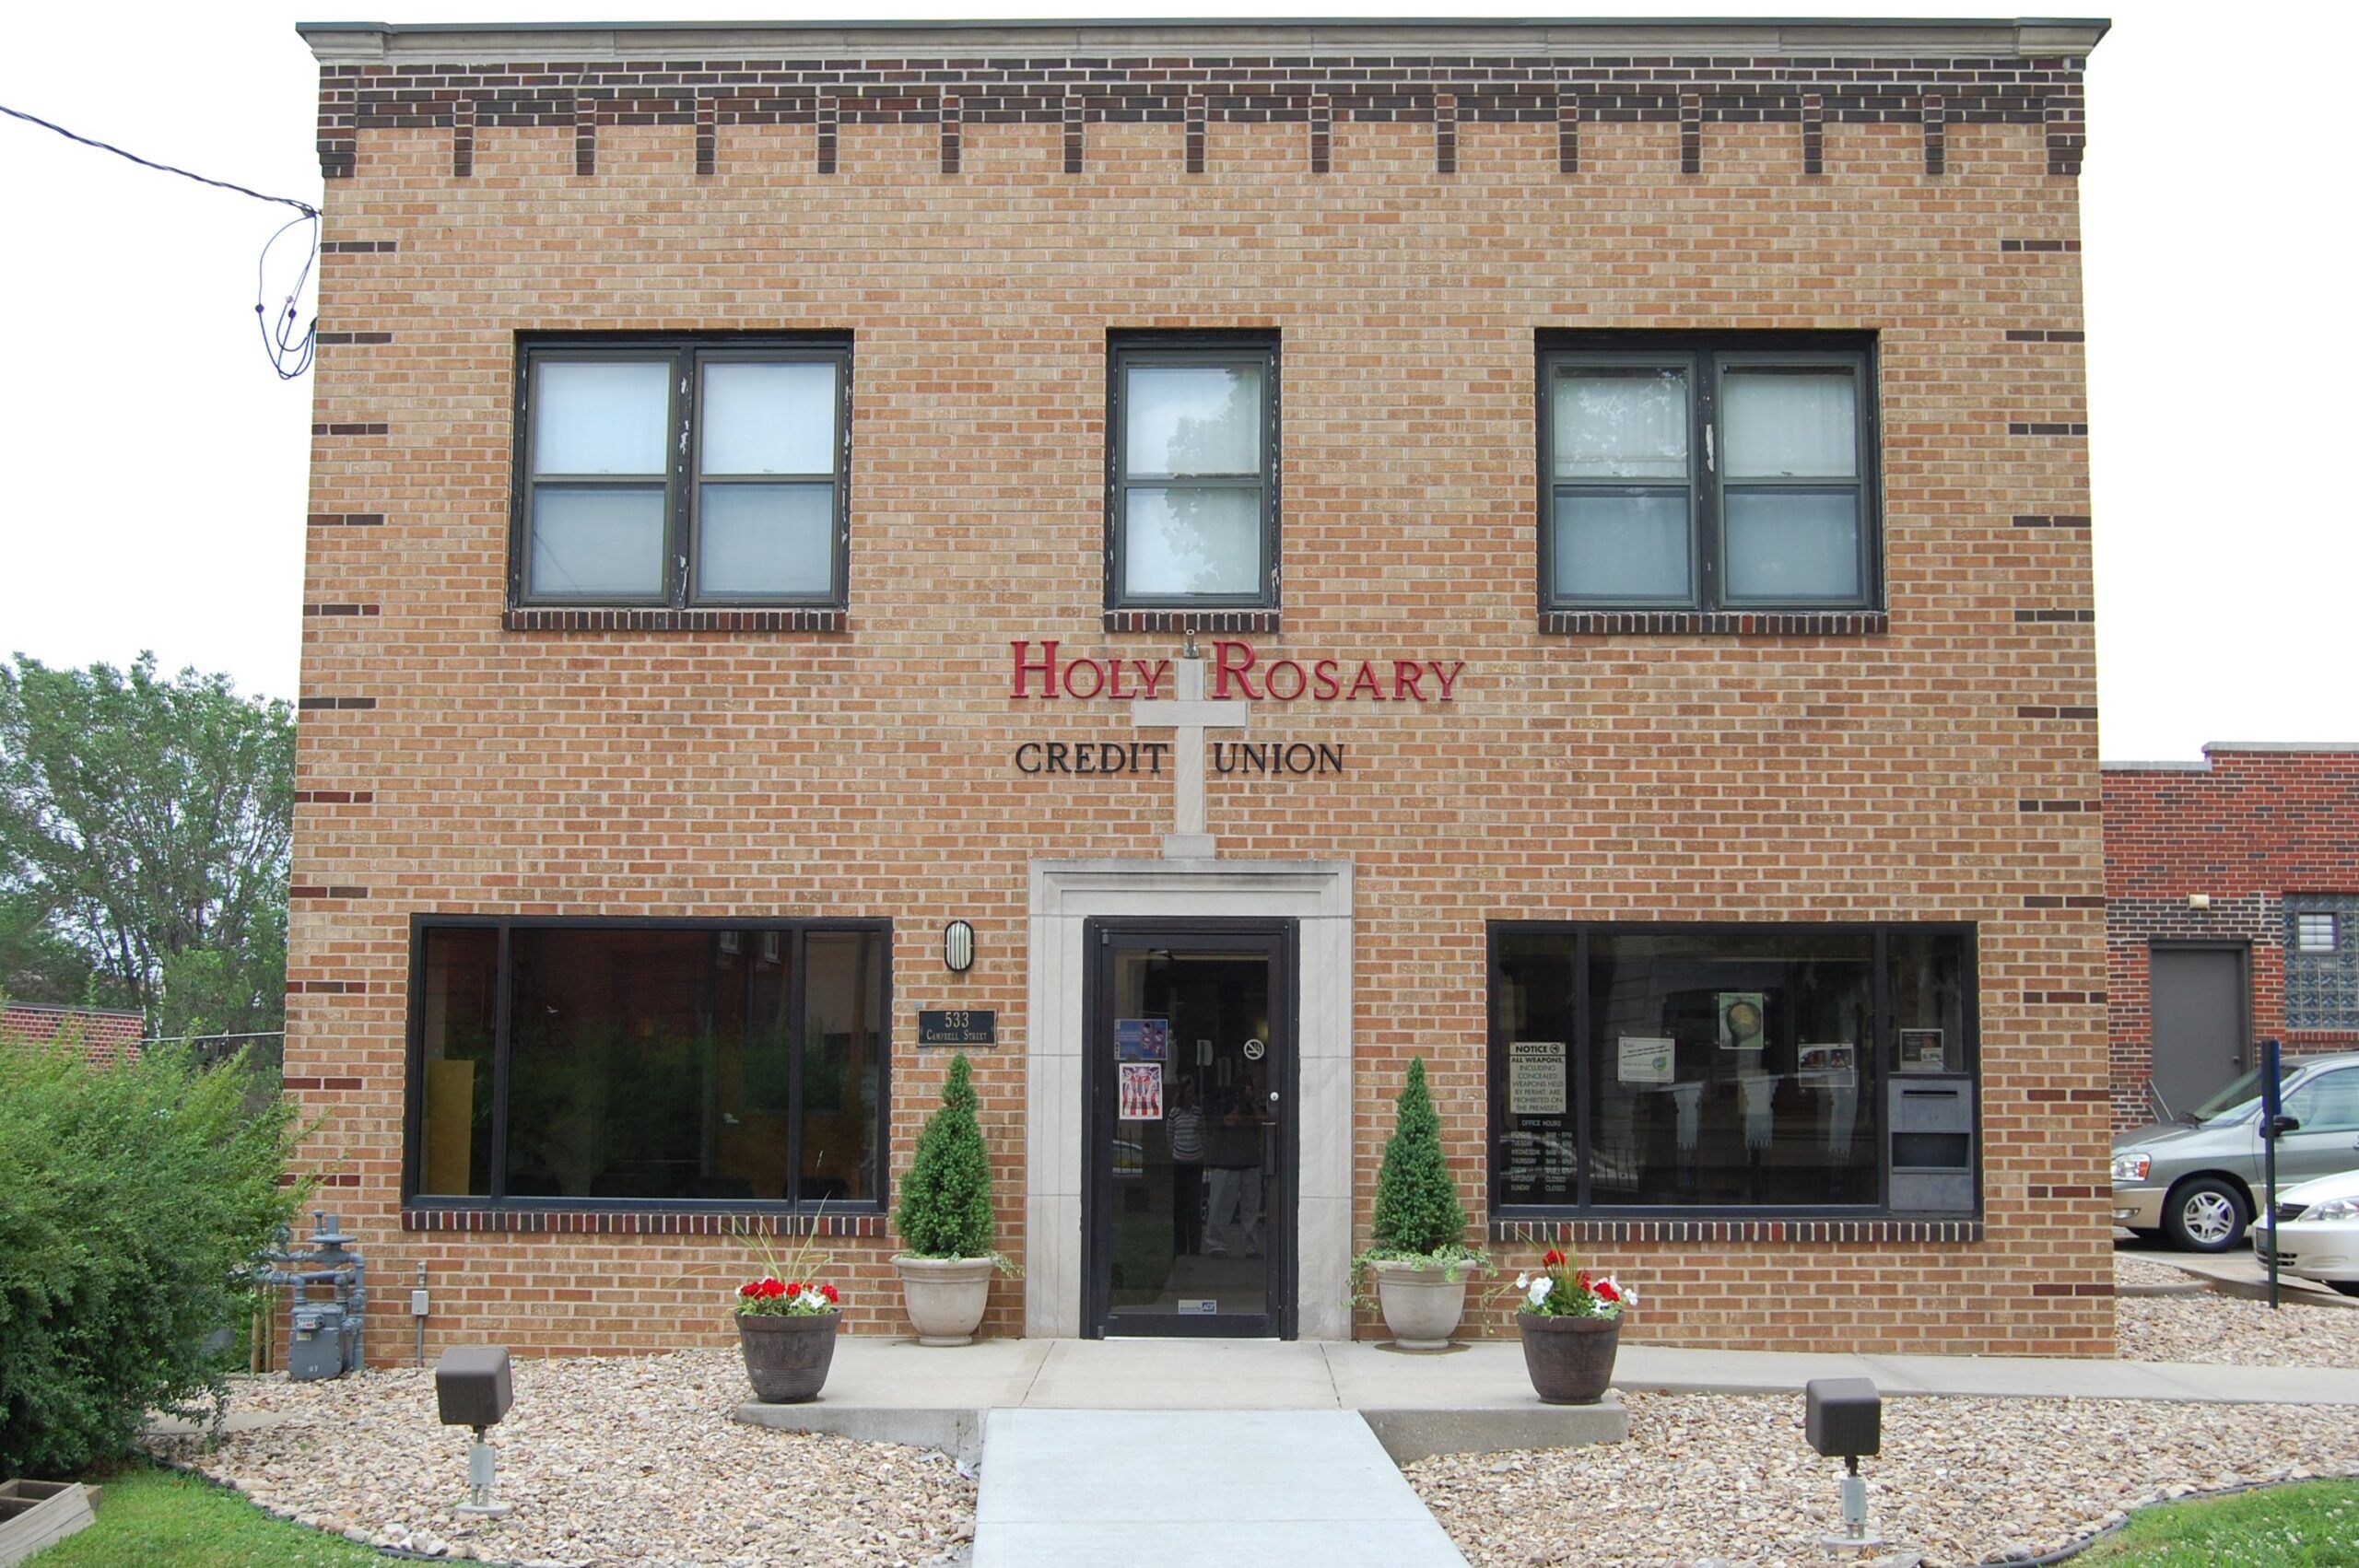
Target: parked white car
column 2316, row 1224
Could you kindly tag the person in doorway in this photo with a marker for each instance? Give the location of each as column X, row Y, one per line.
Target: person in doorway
column 1186, row 1125
column 1234, row 1158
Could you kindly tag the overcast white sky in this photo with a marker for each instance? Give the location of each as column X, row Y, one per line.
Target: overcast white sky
column 154, row 498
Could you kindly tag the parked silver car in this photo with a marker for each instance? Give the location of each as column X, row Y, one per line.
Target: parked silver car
column 2194, row 1182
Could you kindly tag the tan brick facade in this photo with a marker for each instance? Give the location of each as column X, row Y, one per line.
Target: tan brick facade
column 1905, row 768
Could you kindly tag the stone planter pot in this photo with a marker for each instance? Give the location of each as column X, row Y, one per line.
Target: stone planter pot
column 1570, row 1358
column 946, row 1296
column 1421, row 1305
column 787, row 1358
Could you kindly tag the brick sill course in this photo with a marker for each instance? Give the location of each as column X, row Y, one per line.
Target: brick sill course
column 641, row 1222
column 555, row 619
column 1880, row 1232
column 1715, row 622
column 1258, row 623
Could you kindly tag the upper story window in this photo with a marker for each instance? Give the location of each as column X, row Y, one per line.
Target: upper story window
column 1709, row 474
column 1192, row 491
column 675, row 473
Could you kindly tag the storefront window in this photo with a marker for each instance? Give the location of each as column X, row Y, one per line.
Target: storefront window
column 651, row 1064
column 1724, row 1069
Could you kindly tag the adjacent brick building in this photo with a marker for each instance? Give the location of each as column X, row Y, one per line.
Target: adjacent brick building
column 105, row 1035
column 1628, row 481
column 2240, row 875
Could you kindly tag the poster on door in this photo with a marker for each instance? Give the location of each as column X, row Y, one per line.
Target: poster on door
column 1141, row 1091
column 1536, row 1077
column 1142, row 1039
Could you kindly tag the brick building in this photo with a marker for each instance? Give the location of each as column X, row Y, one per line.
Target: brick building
column 2232, row 917
column 1624, row 487
column 106, row 1034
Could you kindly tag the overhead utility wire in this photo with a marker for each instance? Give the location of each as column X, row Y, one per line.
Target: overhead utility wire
column 290, row 352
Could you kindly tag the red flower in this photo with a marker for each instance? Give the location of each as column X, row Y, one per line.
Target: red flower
column 748, row 1290
column 829, row 1291
column 772, row 1289
column 793, row 1291
column 1553, row 1258
column 1606, row 1291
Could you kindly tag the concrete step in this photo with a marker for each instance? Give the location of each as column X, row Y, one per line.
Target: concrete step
column 1196, row 1488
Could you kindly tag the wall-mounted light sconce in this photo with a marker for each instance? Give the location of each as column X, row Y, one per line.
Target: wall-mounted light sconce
column 2199, row 901
column 958, row 947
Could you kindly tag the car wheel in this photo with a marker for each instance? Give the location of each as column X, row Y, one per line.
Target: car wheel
column 2204, row 1215
column 2344, row 1287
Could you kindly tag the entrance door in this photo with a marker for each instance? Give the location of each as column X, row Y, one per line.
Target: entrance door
column 2199, row 1011
column 1189, row 1077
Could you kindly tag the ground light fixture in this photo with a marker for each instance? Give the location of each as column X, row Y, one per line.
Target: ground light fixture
column 472, row 1388
column 1843, row 1417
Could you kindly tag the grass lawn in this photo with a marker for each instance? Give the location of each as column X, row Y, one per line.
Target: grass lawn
column 2315, row 1525
column 152, row 1516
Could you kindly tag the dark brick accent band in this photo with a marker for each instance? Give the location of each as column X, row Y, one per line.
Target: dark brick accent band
column 584, row 620
column 1073, row 91
column 463, row 138
column 1264, row 623
column 1879, row 1233
column 2050, row 519
column 646, row 1223
column 360, row 247
column 2052, row 808
column 1936, row 122
column 351, row 428
column 348, row 520
column 325, row 890
column 1445, row 132
column 1193, row 140
column 1322, row 128
column 1814, row 134
column 320, row 704
column 952, row 113
column 334, row 797
column 331, row 339
column 2063, row 901
column 708, row 137
column 1569, row 132
column 325, row 1083
column 327, row 988
column 337, row 612
column 2065, row 999
column 2037, row 246
column 2048, row 710
column 1715, row 622
column 2045, row 427
column 2054, row 617
column 2036, row 334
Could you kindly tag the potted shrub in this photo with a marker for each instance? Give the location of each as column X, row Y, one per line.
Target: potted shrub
column 1571, row 1322
column 786, row 1325
column 1418, row 1251
column 944, row 1219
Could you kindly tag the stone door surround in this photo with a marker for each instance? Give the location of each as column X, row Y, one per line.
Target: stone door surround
column 1067, row 894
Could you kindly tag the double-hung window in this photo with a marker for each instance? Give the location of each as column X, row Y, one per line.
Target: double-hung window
column 1193, row 499
column 676, row 473
column 1688, row 474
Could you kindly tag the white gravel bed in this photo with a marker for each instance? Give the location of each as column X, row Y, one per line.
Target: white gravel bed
column 2233, row 1332
column 2129, row 1268
column 632, row 1462
column 1728, row 1481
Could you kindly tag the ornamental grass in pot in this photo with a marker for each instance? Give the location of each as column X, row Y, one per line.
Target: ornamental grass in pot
column 786, row 1326
column 944, row 1219
column 1571, row 1323
column 1418, row 1252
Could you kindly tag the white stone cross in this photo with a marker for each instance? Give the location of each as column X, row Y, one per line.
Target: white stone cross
column 1189, row 715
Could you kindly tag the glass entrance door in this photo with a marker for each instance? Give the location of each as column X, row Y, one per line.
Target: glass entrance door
column 1191, row 1087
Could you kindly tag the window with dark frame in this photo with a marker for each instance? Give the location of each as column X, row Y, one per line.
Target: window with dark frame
column 1726, row 1069
column 682, row 1063
column 1192, row 501
column 681, row 473
column 1682, row 472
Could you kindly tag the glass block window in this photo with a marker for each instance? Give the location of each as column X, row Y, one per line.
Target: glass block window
column 2321, row 961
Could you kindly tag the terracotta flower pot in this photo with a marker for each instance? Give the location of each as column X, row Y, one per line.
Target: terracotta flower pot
column 1570, row 1358
column 1421, row 1305
column 787, row 1358
column 946, row 1296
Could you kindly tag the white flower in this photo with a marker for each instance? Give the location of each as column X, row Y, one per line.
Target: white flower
column 1540, row 1289
column 1523, row 1281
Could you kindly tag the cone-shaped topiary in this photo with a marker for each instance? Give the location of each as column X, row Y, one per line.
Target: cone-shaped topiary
column 945, row 1208
column 1416, row 1203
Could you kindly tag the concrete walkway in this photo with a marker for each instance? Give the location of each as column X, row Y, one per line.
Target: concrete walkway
column 1196, row 1488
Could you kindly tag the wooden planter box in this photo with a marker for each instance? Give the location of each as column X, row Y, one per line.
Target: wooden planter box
column 35, row 1513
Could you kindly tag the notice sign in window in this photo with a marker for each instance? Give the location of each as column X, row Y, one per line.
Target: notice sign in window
column 1536, row 1078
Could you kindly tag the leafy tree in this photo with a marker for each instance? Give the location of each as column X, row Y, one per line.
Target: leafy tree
column 145, row 826
column 130, row 1196
column 1417, row 1208
column 945, row 1208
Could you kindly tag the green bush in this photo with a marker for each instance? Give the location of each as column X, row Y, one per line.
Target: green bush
column 945, row 1208
column 1417, row 1210
column 129, row 1198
